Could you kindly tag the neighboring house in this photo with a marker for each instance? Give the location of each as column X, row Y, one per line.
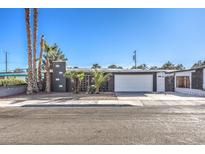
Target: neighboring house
column 191, row 81
column 21, row 76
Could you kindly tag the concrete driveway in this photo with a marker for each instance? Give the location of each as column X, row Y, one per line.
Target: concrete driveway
column 158, row 96
column 160, row 99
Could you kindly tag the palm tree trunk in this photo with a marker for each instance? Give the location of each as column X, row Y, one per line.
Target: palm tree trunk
column 28, row 30
column 35, row 30
column 76, row 86
column 97, row 91
column 48, row 84
column 40, row 64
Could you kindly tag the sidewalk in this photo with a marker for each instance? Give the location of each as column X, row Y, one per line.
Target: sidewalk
column 70, row 103
column 104, row 99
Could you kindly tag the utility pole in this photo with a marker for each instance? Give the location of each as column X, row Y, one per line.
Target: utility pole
column 135, row 59
column 6, row 61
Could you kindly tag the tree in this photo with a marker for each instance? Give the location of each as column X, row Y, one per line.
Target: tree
column 40, row 63
column 142, row 66
column 96, row 66
column 47, row 63
column 52, row 53
column 35, row 31
column 168, row 66
column 48, row 78
column 133, row 67
column 29, row 44
column 199, row 64
column 113, row 66
column 99, row 78
column 77, row 78
column 154, row 68
column 179, row 67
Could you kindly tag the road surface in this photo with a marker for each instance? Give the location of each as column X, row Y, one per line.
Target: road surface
column 103, row 125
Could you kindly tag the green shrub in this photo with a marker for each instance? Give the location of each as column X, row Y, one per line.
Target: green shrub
column 92, row 89
column 11, row 82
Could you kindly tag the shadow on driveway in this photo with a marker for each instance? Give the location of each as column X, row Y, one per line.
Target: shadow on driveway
column 132, row 94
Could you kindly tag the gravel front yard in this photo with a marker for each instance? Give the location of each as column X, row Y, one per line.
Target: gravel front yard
column 63, row 96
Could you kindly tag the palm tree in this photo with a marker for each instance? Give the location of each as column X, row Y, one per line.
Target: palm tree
column 40, row 63
column 47, row 56
column 53, row 53
column 99, row 78
column 48, row 78
column 77, row 78
column 50, row 54
column 35, row 31
column 29, row 44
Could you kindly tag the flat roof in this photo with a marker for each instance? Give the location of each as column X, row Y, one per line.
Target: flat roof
column 190, row 69
column 115, row 70
column 13, row 74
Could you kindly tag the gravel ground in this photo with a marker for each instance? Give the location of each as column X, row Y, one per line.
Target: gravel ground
column 63, row 96
column 103, row 125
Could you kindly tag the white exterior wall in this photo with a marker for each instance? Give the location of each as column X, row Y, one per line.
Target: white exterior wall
column 161, row 82
column 189, row 90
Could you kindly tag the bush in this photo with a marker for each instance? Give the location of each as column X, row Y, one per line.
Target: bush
column 11, row 82
column 92, row 89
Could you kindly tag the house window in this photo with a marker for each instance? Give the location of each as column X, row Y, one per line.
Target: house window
column 183, row 82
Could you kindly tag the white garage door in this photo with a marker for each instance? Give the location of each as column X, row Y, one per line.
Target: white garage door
column 134, row 83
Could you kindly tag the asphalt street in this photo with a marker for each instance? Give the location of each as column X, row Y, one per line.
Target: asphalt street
column 103, row 125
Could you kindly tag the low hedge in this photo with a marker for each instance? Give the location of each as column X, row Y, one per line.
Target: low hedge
column 11, row 82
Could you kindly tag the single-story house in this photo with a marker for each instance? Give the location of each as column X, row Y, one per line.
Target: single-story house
column 127, row 80
column 121, row 80
column 21, row 76
column 191, row 81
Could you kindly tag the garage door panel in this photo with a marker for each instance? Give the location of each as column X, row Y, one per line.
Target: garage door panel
column 135, row 83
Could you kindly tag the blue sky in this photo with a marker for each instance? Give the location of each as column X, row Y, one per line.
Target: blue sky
column 109, row 36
